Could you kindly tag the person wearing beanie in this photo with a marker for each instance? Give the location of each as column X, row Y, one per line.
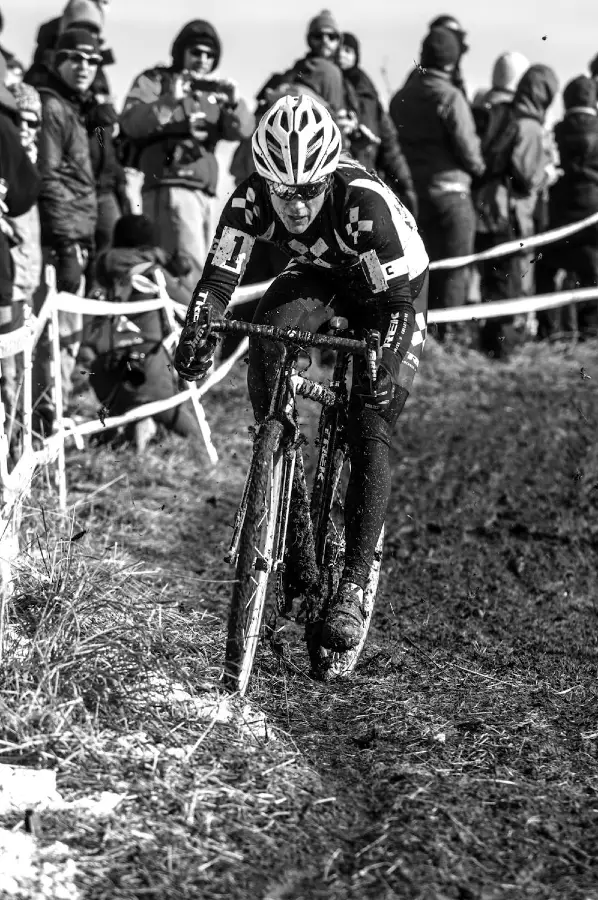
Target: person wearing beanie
column 19, row 189
column 437, row 134
column 68, row 201
column 594, row 68
column 508, row 198
column 174, row 117
column 572, row 198
column 318, row 69
column 87, row 14
column 129, row 360
column 373, row 139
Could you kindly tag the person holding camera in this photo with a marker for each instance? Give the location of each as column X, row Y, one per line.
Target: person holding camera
column 174, row 116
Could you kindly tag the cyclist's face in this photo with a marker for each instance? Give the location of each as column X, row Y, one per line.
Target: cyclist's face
column 297, row 215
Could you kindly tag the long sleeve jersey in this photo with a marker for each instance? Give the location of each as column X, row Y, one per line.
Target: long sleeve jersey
column 363, row 239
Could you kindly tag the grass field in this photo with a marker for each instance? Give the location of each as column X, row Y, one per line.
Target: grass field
column 460, row 761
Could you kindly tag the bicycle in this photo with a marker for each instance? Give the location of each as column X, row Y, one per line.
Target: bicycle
column 275, row 490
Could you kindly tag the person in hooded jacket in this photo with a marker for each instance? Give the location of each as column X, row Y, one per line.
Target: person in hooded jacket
column 87, row 14
column 19, row 189
column 175, row 116
column 506, row 205
column 373, row 141
column 130, row 356
column 572, row 198
column 438, row 137
column 318, row 69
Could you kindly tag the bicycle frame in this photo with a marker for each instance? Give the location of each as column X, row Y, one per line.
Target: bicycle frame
column 290, row 384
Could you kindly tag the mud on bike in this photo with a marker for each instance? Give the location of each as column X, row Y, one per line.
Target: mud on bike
column 284, row 537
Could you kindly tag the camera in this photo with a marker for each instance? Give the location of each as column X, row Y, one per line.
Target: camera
column 222, row 90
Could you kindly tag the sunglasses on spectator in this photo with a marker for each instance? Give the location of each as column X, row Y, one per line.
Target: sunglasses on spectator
column 34, row 124
column 288, row 192
column 331, row 36
column 77, row 58
column 202, row 51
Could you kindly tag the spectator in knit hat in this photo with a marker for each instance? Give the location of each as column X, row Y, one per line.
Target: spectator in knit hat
column 67, row 203
column 175, row 117
column 437, row 133
column 572, row 198
column 498, row 130
column 318, row 69
column 26, row 252
column 594, row 69
column 132, row 362
column 373, row 139
column 447, row 21
column 19, row 189
column 87, row 14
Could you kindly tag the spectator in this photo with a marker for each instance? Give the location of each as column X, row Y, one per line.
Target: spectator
column 573, row 197
column 26, row 255
column 132, row 363
column 19, row 188
column 68, row 203
column 86, row 14
column 457, row 29
column 318, row 69
column 175, row 117
column 594, row 69
column 437, row 133
column 506, row 75
column 500, row 279
column 373, row 140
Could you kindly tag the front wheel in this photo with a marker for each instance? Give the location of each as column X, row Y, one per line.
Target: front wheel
column 328, row 514
column 257, row 543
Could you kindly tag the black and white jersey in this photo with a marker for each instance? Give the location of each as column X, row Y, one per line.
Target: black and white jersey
column 362, row 229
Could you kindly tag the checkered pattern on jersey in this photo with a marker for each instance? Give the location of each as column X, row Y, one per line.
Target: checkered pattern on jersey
column 355, row 225
column 419, row 332
column 248, row 204
column 312, row 255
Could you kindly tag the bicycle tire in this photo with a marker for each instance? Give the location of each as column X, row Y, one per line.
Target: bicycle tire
column 257, row 538
column 327, row 664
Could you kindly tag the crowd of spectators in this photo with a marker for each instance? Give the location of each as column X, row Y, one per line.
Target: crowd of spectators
column 475, row 171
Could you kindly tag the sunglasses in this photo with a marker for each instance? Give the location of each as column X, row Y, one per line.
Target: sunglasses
column 328, row 35
column 78, row 59
column 288, row 192
column 33, row 124
column 202, row 51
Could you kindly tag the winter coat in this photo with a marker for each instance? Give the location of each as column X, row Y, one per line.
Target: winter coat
column 169, row 150
column 321, row 75
column 26, row 254
column 22, row 186
column 437, row 133
column 384, row 155
column 575, row 194
column 535, row 92
column 67, row 202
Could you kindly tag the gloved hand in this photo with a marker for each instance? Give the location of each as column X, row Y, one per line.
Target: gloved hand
column 70, row 261
column 384, row 387
column 194, row 352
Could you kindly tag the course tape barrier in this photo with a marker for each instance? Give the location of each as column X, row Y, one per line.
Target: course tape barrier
column 250, row 292
column 24, row 339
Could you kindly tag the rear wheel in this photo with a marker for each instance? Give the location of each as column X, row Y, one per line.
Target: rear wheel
column 255, row 556
column 328, row 514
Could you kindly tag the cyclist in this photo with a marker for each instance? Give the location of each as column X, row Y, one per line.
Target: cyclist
column 355, row 252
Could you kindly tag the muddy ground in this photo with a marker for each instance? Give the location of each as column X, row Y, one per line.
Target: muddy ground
column 460, row 761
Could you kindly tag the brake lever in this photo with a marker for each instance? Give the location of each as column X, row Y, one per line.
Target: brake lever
column 372, row 340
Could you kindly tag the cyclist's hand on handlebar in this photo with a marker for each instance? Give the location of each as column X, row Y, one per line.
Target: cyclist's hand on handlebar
column 383, row 393
column 193, row 355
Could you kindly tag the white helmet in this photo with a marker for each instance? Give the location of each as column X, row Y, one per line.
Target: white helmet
column 296, row 142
